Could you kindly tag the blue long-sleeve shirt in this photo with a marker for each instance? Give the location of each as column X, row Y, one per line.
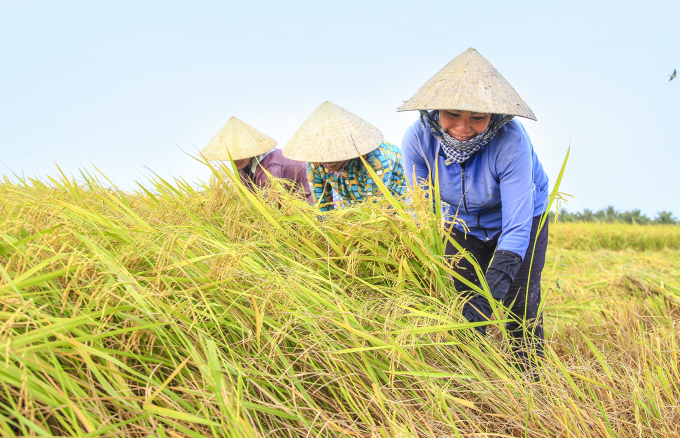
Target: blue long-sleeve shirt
column 502, row 187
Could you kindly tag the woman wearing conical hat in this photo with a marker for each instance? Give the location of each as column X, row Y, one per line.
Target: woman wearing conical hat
column 490, row 177
column 255, row 156
column 331, row 141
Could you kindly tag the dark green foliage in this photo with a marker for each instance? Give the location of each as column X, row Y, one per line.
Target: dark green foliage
column 611, row 215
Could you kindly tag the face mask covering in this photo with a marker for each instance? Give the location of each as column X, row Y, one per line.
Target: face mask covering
column 458, row 151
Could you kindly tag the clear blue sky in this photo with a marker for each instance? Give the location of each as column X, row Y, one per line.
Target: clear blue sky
column 127, row 86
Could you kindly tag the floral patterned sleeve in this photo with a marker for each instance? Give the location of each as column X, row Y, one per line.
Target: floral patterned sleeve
column 387, row 163
column 320, row 188
column 397, row 183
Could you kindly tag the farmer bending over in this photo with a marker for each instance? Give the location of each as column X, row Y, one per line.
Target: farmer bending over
column 331, row 140
column 490, row 177
column 254, row 155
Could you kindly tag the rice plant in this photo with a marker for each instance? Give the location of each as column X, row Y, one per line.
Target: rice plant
column 182, row 311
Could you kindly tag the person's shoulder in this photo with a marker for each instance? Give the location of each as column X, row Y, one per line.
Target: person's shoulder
column 510, row 143
column 513, row 128
column 276, row 157
column 277, row 153
column 418, row 138
column 388, row 148
column 511, row 136
column 418, row 127
column 385, row 155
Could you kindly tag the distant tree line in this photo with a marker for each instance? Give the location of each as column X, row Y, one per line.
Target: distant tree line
column 610, row 214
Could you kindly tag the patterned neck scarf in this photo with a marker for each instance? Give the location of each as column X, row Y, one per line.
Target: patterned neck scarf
column 458, row 151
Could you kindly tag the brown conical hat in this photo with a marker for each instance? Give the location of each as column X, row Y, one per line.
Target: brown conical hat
column 469, row 83
column 238, row 139
column 331, row 134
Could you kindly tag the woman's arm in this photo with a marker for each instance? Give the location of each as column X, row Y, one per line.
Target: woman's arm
column 416, row 167
column 387, row 164
column 397, row 183
column 515, row 169
column 320, row 189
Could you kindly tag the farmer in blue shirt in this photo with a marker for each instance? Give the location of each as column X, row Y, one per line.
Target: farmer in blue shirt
column 489, row 178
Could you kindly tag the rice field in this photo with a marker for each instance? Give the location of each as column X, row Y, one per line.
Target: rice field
column 178, row 311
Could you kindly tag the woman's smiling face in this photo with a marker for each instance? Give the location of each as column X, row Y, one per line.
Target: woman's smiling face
column 463, row 125
column 335, row 166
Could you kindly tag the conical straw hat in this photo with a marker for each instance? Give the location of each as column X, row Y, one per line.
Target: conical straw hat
column 238, row 139
column 469, row 83
column 331, row 134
